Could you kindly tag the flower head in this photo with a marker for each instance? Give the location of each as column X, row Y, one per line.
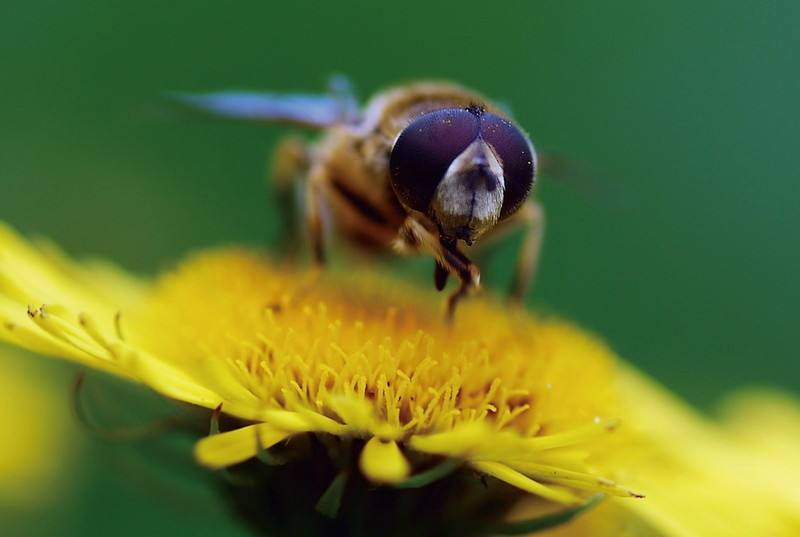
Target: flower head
column 361, row 372
column 350, row 356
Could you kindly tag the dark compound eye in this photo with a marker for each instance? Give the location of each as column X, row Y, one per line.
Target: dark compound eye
column 425, row 149
column 517, row 157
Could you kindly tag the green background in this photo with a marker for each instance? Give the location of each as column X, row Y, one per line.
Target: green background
column 677, row 241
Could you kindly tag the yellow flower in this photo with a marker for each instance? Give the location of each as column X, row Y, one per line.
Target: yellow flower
column 355, row 356
column 702, row 479
column 364, row 366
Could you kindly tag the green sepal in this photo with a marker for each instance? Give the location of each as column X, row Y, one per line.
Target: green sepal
column 264, row 456
column 229, row 476
column 532, row 525
column 213, row 426
column 331, row 500
column 427, row 477
column 122, row 433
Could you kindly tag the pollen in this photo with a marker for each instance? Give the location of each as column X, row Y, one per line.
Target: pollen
column 287, row 351
column 291, row 343
column 362, row 356
column 357, row 376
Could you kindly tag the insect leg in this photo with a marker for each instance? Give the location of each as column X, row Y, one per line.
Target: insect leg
column 415, row 236
column 290, row 161
column 531, row 217
column 440, row 275
column 315, row 191
column 288, row 167
column 467, row 273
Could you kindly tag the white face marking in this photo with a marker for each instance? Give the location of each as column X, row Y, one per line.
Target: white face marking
column 465, row 198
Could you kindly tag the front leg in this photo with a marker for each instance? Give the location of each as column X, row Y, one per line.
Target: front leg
column 467, row 272
column 416, row 236
column 315, row 207
column 531, row 218
column 288, row 170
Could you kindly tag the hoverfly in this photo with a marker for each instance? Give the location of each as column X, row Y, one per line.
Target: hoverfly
column 421, row 168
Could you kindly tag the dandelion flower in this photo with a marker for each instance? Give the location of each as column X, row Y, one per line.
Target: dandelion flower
column 350, row 393
column 702, row 478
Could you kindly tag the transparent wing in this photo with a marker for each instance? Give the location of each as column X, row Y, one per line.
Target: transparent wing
column 315, row 111
column 597, row 187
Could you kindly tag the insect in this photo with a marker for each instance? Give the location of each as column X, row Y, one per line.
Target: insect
column 427, row 167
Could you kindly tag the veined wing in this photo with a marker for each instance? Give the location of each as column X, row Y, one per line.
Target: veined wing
column 315, row 111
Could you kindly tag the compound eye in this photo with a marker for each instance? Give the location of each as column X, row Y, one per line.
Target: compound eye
column 425, row 149
column 517, row 156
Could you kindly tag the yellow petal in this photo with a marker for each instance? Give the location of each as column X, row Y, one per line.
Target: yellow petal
column 17, row 328
column 383, row 462
column 359, row 416
column 519, row 480
column 171, row 381
column 456, row 443
column 570, row 478
column 356, row 413
column 321, row 423
column 286, row 420
column 598, row 427
column 232, row 447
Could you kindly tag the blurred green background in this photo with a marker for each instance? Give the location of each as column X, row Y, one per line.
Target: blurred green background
column 677, row 242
